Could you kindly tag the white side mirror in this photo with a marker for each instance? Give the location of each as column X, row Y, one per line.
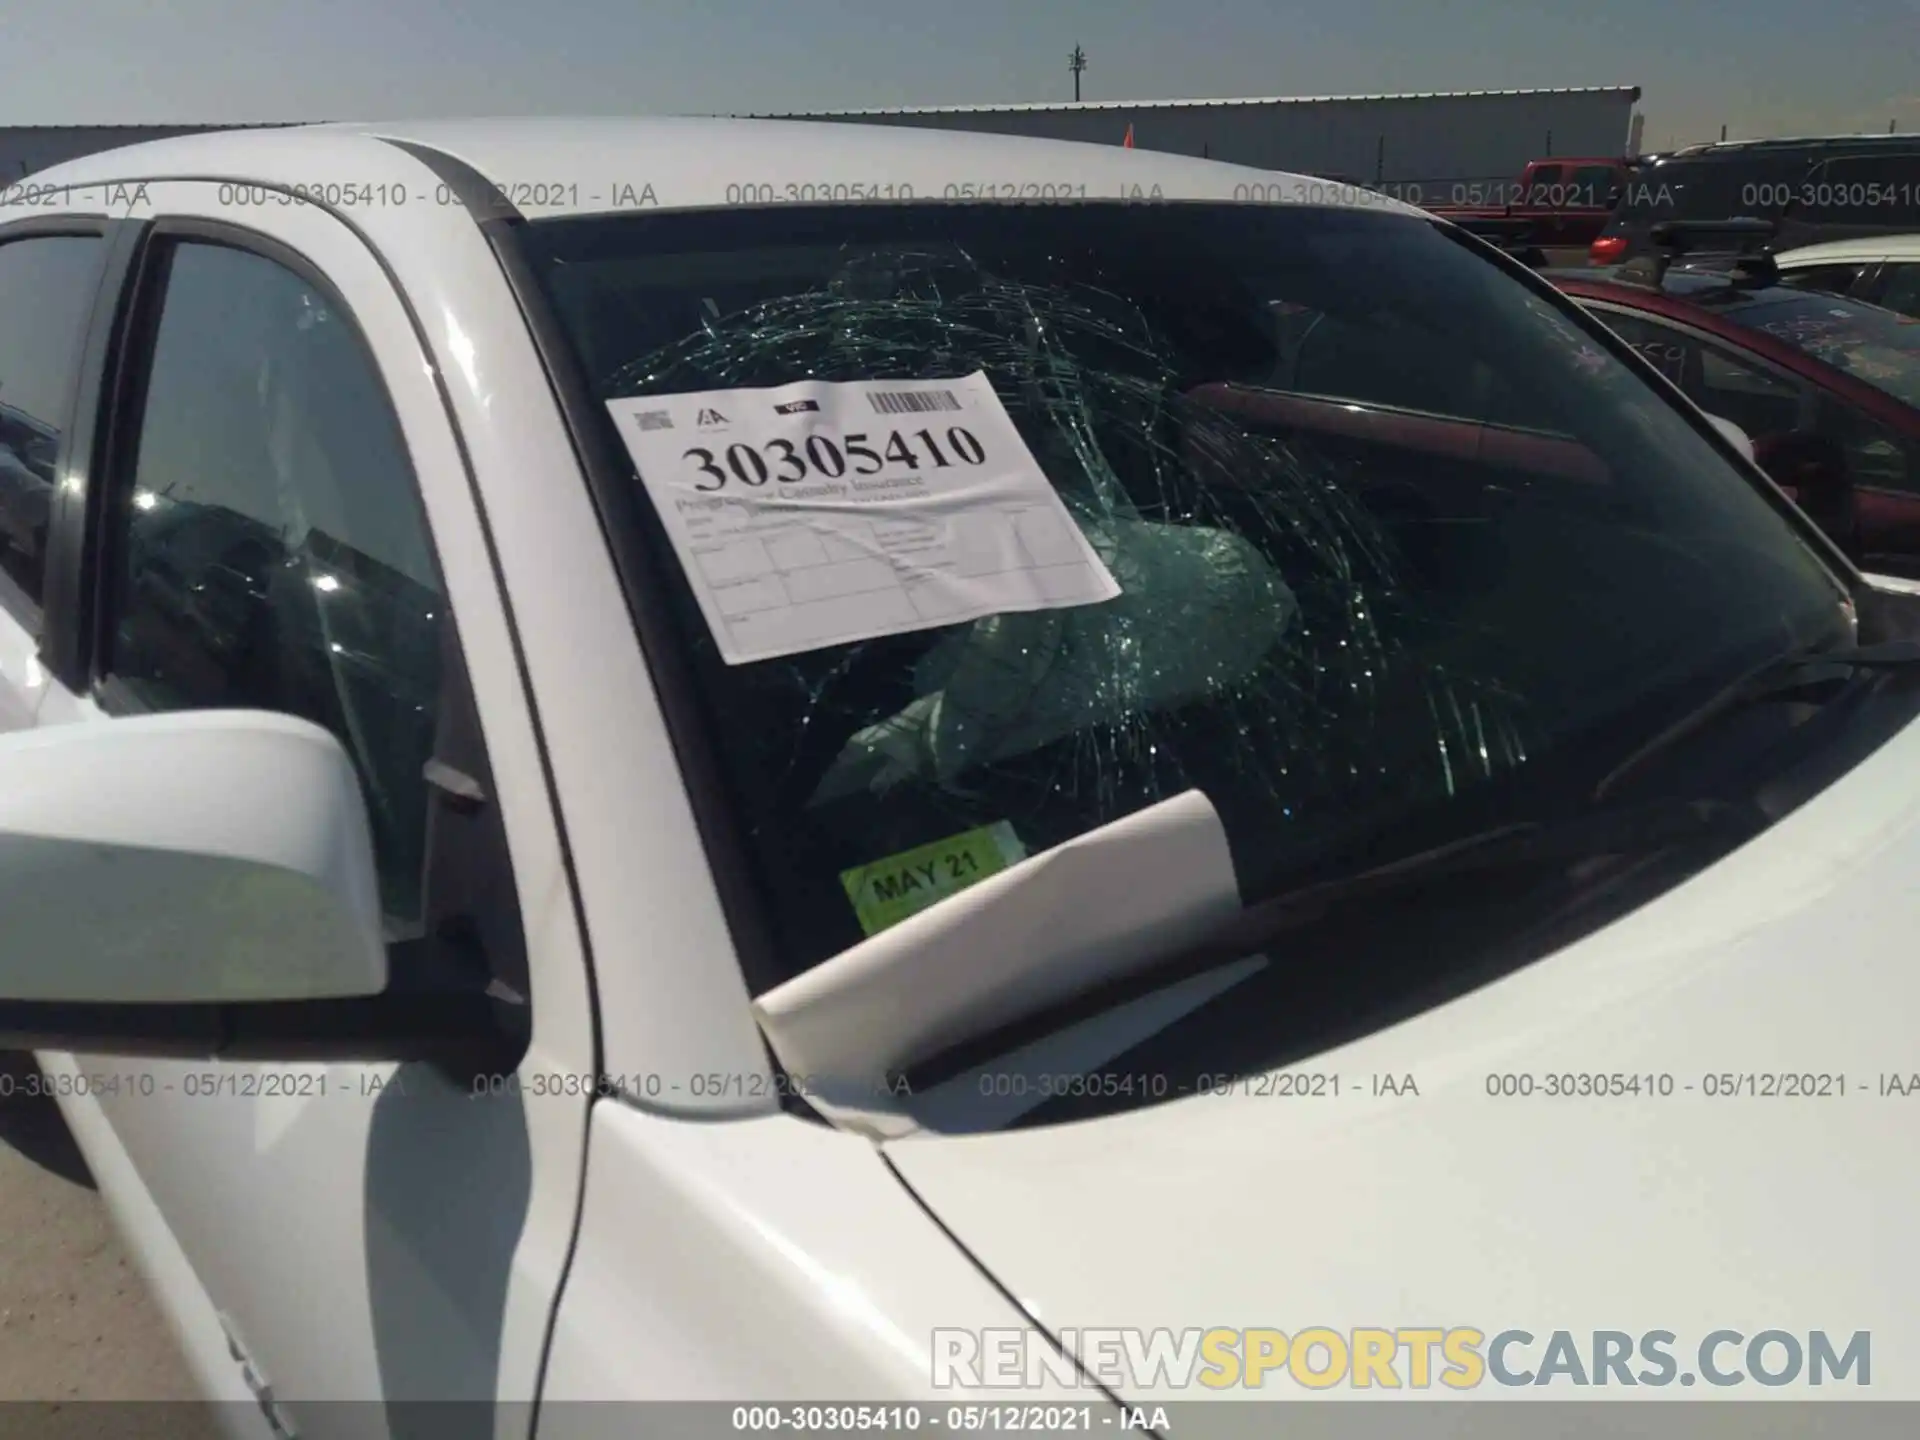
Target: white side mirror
column 204, row 858
column 1742, row 441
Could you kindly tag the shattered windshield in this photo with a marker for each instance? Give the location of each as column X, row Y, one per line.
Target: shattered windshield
column 1396, row 538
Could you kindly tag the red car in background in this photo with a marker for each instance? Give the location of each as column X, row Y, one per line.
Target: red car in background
column 1565, row 203
column 1827, row 388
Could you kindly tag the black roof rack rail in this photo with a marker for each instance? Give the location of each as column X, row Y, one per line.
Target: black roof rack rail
column 1672, row 239
column 1683, row 236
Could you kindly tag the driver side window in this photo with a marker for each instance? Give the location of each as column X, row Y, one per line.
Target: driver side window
column 269, row 548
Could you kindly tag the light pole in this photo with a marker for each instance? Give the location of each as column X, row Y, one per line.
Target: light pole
column 1076, row 63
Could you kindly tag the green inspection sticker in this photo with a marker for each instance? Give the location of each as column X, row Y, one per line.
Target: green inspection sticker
column 887, row 891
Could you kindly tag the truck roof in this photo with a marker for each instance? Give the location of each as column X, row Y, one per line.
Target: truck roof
column 1895, row 141
column 1904, row 248
column 556, row 166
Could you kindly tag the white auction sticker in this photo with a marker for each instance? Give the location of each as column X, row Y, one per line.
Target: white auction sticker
column 824, row 512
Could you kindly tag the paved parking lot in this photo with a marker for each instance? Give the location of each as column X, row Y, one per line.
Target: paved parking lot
column 76, row 1320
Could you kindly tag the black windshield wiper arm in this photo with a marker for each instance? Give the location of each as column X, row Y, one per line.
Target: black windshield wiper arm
column 1603, row 830
column 1619, row 830
column 1779, row 677
column 1561, row 837
column 1613, row 830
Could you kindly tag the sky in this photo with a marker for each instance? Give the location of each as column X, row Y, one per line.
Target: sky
column 1758, row 67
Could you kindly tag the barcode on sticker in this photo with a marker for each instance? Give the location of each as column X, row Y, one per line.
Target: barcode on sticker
column 912, row 402
column 655, row 420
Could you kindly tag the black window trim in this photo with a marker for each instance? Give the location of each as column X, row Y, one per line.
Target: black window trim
column 69, row 557
column 128, row 331
column 39, row 616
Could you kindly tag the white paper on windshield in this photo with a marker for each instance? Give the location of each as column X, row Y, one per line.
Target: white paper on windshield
column 1096, row 908
column 824, row 512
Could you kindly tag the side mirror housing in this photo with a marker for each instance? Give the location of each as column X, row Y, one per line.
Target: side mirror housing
column 201, row 883
column 188, row 858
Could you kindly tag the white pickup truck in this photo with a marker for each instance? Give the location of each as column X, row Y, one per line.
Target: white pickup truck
column 756, row 762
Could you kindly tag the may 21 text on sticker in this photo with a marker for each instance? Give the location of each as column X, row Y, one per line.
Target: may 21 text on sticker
column 821, row 513
column 887, row 891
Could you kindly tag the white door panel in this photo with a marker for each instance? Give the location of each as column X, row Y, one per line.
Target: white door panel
column 372, row 1232
column 156, row 1251
column 769, row 1259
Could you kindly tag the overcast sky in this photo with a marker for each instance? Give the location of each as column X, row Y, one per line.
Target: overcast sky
column 1756, row 66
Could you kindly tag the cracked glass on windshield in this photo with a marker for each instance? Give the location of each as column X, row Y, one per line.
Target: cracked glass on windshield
column 1398, row 539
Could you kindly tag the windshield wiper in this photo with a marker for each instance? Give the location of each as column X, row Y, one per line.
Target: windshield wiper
column 1637, row 831
column 1523, row 845
column 1583, row 839
column 1606, row 829
column 1776, row 679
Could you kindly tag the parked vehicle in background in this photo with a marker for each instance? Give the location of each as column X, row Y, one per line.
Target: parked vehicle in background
column 1829, row 188
column 1567, row 201
column 1826, row 386
column 1883, row 270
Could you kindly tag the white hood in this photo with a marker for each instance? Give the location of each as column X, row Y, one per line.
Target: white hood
column 1797, row 954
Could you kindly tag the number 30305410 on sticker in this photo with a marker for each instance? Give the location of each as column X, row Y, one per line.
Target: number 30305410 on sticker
column 824, row 457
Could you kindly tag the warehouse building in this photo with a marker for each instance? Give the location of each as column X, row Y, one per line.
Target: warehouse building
column 1432, row 141
column 1426, row 144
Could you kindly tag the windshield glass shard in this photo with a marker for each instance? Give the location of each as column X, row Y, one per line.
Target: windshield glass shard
column 1402, row 545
